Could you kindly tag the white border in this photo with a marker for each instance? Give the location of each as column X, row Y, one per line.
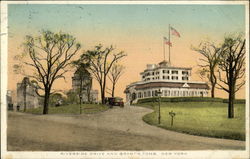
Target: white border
column 4, row 77
column 225, row 154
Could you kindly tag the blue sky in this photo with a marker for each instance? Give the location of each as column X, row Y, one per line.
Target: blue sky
column 140, row 19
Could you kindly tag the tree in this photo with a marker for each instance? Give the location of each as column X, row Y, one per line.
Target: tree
column 114, row 75
column 49, row 55
column 71, row 97
column 56, row 99
column 211, row 56
column 101, row 60
column 232, row 64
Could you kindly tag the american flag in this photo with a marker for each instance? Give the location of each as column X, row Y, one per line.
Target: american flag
column 166, row 41
column 175, row 32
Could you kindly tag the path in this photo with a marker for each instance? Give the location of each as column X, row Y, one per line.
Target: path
column 115, row 129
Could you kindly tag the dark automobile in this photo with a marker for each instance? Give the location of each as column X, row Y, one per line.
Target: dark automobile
column 114, row 101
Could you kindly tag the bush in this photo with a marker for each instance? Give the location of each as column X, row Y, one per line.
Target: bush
column 236, row 101
column 181, row 99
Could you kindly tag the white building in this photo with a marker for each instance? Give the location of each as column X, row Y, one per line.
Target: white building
column 171, row 81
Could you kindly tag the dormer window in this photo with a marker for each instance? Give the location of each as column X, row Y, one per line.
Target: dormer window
column 165, row 71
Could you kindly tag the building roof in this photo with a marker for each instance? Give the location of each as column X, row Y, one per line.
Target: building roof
column 173, row 85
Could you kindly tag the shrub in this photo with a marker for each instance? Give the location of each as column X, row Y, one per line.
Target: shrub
column 181, row 99
column 236, row 101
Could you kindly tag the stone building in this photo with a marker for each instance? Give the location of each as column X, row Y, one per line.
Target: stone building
column 88, row 94
column 171, row 81
column 26, row 92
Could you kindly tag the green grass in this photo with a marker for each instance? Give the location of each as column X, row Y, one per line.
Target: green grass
column 199, row 118
column 71, row 109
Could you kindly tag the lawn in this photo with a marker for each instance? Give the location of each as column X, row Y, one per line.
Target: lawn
column 71, row 109
column 199, row 118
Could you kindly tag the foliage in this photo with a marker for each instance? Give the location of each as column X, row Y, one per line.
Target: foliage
column 232, row 68
column 72, row 97
column 101, row 61
column 56, row 98
column 48, row 57
column 181, row 99
column 199, row 118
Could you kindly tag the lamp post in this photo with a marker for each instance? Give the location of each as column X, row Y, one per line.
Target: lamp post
column 159, row 100
column 80, row 103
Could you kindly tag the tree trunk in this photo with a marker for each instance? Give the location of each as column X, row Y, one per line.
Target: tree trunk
column 103, row 90
column 103, row 96
column 46, row 102
column 113, row 90
column 213, row 82
column 231, row 105
column 212, row 90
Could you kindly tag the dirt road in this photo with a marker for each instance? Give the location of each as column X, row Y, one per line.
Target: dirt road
column 115, row 129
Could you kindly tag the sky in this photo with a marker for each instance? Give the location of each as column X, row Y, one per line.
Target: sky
column 136, row 29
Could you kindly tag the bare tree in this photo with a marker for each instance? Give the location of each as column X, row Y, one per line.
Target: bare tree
column 49, row 55
column 101, row 60
column 211, row 55
column 114, row 75
column 232, row 68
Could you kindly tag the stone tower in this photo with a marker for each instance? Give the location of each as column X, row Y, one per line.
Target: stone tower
column 26, row 93
column 88, row 94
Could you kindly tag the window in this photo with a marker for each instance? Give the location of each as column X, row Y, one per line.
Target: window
column 145, row 94
column 174, row 72
column 184, row 78
column 139, row 95
column 165, row 71
column 165, row 93
column 149, row 93
column 185, row 72
column 165, row 77
column 174, row 77
column 177, row 94
column 153, row 73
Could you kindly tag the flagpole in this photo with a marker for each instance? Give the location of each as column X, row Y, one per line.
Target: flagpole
column 170, row 42
column 164, row 48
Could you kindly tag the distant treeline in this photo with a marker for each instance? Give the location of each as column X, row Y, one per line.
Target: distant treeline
column 190, row 99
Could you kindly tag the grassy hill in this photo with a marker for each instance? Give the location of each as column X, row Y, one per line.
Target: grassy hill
column 199, row 118
column 71, row 109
